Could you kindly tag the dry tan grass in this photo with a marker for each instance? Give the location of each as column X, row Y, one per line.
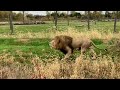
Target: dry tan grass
column 104, row 68
column 70, row 31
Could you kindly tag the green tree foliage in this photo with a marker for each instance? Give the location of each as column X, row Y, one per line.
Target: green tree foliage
column 107, row 14
column 37, row 17
column 30, row 16
column 72, row 13
column 77, row 15
column 17, row 17
column 54, row 13
column 63, row 14
column 4, row 15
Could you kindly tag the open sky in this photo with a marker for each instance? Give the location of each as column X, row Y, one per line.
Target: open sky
column 44, row 12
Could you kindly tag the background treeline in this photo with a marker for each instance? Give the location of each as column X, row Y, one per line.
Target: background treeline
column 72, row 15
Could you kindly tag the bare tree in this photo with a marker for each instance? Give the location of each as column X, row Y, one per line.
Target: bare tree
column 85, row 12
column 115, row 21
column 56, row 20
column 23, row 17
column 48, row 15
column 101, row 17
column 10, row 20
column 95, row 16
column 68, row 17
column 88, row 20
column 107, row 14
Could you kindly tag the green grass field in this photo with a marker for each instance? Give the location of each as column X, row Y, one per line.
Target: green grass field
column 41, row 45
column 62, row 25
column 31, row 42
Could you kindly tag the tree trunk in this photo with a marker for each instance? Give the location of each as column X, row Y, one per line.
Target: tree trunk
column 68, row 17
column 95, row 21
column 95, row 18
column 115, row 21
column 88, row 20
column 11, row 24
column 48, row 16
column 107, row 15
column 56, row 20
column 23, row 17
